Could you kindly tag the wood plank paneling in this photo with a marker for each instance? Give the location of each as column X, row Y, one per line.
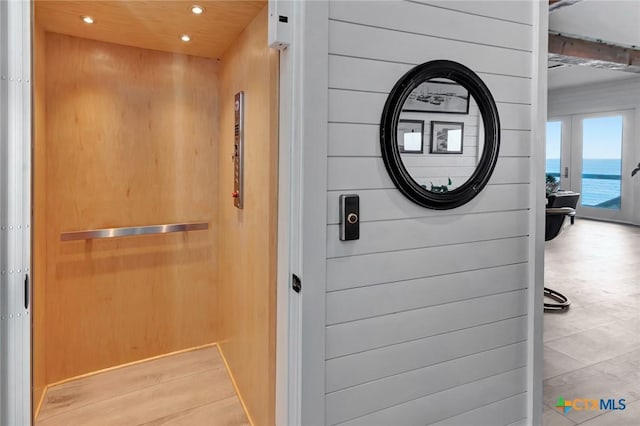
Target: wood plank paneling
column 423, row 290
column 351, row 370
column 39, row 272
column 373, row 76
column 370, row 333
column 355, row 173
column 386, row 204
column 406, row 234
column 247, row 239
column 131, row 140
column 224, row 412
column 608, row 96
column 387, row 45
column 498, row 10
column 374, row 396
column 371, row 269
column 420, row 18
column 171, row 390
column 150, row 403
column 347, row 106
column 371, row 301
column 499, row 413
column 152, row 24
column 450, row 402
column 86, row 391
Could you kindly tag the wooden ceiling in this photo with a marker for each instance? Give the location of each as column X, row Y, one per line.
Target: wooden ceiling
column 155, row 24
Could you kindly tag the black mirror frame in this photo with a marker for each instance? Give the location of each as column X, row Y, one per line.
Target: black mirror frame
column 389, row 144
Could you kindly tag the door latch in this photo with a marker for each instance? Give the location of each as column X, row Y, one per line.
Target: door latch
column 296, row 283
column 26, row 291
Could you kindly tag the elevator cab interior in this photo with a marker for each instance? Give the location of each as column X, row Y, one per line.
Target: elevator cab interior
column 135, row 124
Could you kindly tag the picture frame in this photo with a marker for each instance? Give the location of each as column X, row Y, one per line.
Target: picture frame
column 411, row 136
column 438, row 96
column 447, row 137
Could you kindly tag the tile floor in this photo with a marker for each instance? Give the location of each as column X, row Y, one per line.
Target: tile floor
column 593, row 350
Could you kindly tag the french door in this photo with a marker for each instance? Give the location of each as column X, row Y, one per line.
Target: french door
column 593, row 154
column 602, row 159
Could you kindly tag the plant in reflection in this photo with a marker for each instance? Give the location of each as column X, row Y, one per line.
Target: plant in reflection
column 552, row 184
column 441, row 188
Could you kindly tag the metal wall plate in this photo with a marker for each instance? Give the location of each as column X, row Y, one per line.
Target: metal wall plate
column 238, row 152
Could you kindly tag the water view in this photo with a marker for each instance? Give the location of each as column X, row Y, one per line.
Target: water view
column 601, row 159
column 600, row 181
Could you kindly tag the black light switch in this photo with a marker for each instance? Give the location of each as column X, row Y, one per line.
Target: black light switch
column 349, row 217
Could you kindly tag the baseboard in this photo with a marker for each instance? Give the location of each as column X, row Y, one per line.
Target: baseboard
column 235, row 386
column 36, row 413
column 104, row 370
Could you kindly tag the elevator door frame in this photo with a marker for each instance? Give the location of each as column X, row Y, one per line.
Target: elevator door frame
column 15, row 213
column 300, row 342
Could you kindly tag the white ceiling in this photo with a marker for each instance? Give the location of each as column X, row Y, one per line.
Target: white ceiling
column 614, row 21
column 574, row 75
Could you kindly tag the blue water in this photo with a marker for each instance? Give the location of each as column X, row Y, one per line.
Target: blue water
column 601, row 188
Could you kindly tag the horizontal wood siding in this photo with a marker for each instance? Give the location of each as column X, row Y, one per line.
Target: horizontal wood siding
column 426, row 314
column 363, row 367
column 600, row 97
column 449, row 402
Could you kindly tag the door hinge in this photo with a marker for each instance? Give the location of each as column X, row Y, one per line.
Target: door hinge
column 296, row 283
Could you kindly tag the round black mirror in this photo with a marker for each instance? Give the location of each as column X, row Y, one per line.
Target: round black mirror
column 440, row 134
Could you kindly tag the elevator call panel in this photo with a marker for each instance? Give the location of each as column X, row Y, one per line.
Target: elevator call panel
column 238, row 152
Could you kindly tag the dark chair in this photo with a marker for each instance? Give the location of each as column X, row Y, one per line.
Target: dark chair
column 563, row 199
column 560, row 205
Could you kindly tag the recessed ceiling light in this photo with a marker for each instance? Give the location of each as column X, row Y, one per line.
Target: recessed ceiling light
column 185, row 38
column 87, row 19
column 197, row 10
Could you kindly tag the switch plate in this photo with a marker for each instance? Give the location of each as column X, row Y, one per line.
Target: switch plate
column 349, row 217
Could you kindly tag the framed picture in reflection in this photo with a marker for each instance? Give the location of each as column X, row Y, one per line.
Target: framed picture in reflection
column 438, row 96
column 411, row 136
column 446, row 137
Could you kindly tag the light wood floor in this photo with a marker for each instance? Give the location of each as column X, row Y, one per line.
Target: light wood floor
column 190, row 389
column 593, row 350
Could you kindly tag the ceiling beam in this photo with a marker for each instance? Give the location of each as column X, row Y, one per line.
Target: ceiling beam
column 577, row 51
column 559, row 4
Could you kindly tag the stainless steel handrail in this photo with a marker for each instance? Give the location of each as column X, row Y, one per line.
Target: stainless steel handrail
column 132, row 231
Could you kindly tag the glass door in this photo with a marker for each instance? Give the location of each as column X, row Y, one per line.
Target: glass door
column 558, row 151
column 601, row 163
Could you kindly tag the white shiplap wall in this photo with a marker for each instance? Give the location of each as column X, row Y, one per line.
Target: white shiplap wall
column 426, row 314
column 600, row 97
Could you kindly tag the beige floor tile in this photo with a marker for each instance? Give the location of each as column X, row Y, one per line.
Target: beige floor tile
column 630, row 416
column 551, row 417
column 589, row 382
column 557, row 363
column 598, row 344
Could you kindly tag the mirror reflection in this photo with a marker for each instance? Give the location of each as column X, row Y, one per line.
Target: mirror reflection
column 440, row 135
